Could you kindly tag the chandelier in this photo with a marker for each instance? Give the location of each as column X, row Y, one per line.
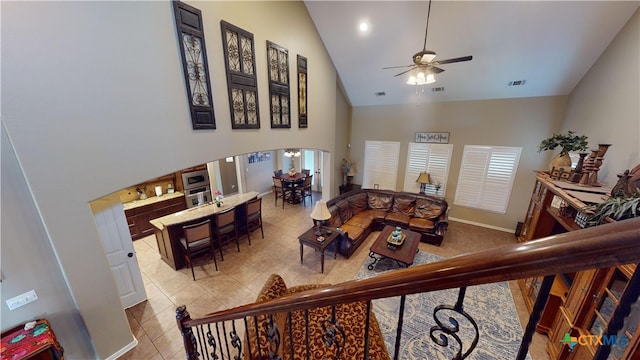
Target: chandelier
column 292, row 153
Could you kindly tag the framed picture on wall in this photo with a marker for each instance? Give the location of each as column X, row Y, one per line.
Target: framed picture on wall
column 302, row 92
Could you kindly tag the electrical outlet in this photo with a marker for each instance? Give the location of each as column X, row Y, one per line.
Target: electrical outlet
column 21, row 300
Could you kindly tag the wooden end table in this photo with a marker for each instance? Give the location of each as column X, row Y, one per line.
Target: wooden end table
column 403, row 254
column 309, row 238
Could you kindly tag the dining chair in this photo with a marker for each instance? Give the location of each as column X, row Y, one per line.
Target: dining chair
column 197, row 241
column 305, row 190
column 282, row 190
column 226, row 227
column 253, row 218
column 307, row 172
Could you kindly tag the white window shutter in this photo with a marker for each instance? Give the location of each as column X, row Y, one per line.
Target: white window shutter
column 380, row 164
column 486, row 177
column 432, row 158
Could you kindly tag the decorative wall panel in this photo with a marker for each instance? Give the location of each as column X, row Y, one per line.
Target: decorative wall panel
column 302, row 92
column 194, row 65
column 240, row 62
column 278, row 63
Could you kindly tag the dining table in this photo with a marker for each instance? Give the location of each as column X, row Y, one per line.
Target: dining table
column 293, row 181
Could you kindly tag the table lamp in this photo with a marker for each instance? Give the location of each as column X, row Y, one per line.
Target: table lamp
column 424, row 178
column 320, row 213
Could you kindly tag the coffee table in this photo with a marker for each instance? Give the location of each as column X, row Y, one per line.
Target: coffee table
column 309, row 238
column 403, row 254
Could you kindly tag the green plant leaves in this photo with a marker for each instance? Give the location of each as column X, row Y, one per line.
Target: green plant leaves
column 567, row 142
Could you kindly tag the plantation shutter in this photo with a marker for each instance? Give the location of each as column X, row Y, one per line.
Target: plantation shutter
column 380, row 164
column 486, row 177
column 432, row 158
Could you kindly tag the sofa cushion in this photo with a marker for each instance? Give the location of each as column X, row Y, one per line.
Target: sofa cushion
column 353, row 231
column 397, row 219
column 404, row 204
column 422, row 225
column 359, row 220
column 379, row 201
column 358, row 202
column 375, row 215
column 345, row 210
column 335, row 220
column 427, row 209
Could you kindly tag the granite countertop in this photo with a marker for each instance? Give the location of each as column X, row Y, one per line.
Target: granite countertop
column 202, row 211
column 151, row 200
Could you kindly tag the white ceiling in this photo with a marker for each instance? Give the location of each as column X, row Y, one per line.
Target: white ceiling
column 550, row 44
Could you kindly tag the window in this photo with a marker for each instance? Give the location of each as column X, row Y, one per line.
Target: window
column 486, row 177
column 432, row 158
column 380, row 164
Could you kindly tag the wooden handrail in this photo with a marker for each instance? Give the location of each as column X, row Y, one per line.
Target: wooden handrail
column 597, row 247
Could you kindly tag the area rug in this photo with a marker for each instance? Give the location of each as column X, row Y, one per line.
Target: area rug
column 490, row 305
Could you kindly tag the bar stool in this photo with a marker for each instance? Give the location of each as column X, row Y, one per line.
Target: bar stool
column 197, row 241
column 253, row 218
column 226, row 227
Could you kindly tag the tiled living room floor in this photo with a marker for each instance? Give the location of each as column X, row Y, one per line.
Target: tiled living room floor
column 242, row 274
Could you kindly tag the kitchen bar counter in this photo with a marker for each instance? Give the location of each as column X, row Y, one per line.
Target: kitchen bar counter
column 151, row 200
column 168, row 228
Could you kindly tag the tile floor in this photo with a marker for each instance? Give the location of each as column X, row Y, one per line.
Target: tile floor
column 242, row 274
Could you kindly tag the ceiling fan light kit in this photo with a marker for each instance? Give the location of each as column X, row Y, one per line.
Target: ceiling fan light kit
column 424, row 67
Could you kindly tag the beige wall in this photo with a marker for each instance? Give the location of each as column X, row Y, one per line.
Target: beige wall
column 605, row 106
column 513, row 122
column 93, row 99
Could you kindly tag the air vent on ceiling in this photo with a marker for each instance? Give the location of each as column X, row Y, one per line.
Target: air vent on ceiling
column 381, row 93
column 517, row 82
column 438, row 89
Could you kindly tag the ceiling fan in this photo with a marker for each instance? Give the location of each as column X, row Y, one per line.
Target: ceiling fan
column 424, row 61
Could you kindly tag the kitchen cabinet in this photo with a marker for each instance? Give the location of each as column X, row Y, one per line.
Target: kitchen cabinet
column 138, row 217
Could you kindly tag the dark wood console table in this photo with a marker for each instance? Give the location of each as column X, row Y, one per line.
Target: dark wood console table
column 349, row 187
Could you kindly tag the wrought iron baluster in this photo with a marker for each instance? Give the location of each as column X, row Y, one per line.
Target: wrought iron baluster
column 452, row 329
column 290, row 316
column 306, row 326
column 331, row 331
column 246, row 326
column 534, row 317
column 201, row 341
column 212, row 343
column 236, row 342
column 259, row 351
column 226, row 342
column 219, row 339
column 628, row 298
column 396, row 353
column 273, row 337
column 366, row 331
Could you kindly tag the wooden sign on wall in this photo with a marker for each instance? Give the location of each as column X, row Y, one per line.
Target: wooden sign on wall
column 432, row 137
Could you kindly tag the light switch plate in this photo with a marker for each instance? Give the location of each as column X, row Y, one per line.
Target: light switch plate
column 21, row 300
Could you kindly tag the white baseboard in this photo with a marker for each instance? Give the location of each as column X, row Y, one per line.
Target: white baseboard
column 483, row 225
column 124, row 350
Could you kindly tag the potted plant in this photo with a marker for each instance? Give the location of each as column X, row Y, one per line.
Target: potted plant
column 615, row 208
column 567, row 142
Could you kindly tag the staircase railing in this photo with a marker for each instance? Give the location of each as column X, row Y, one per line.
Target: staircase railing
column 597, row 247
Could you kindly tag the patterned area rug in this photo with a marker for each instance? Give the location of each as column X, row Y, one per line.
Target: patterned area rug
column 491, row 306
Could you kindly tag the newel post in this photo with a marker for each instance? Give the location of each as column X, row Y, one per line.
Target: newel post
column 189, row 340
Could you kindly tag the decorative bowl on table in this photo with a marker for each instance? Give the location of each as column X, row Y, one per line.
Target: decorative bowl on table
column 396, row 238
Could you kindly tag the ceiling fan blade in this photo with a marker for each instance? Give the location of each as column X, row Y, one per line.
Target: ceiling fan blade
column 454, row 60
column 397, row 67
column 404, row 72
column 435, row 70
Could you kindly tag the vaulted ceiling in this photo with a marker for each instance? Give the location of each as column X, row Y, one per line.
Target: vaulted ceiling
column 549, row 44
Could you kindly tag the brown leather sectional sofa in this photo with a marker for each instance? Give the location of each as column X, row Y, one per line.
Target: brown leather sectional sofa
column 359, row 212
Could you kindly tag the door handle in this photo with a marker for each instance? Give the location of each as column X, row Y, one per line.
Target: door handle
column 130, row 254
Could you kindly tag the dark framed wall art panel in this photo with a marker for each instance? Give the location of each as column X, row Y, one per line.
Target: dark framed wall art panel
column 302, row 91
column 279, row 94
column 242, row 84
column 194, row 65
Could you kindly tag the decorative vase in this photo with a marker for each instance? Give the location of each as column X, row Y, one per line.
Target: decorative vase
column 562, row 160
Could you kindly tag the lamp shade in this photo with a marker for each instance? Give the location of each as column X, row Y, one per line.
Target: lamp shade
column 320, row 211
column 424, row 178
column 352, row 170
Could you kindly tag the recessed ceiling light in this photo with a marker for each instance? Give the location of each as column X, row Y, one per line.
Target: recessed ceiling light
column 364, row 26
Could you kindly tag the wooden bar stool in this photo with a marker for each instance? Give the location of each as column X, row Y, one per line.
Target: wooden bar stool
column 197, row 241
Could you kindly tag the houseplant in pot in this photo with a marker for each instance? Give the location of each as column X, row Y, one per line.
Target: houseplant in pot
column 615, row 208
column 568, row 141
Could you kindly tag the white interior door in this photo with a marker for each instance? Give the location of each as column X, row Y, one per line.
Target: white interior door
column 116, row 239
